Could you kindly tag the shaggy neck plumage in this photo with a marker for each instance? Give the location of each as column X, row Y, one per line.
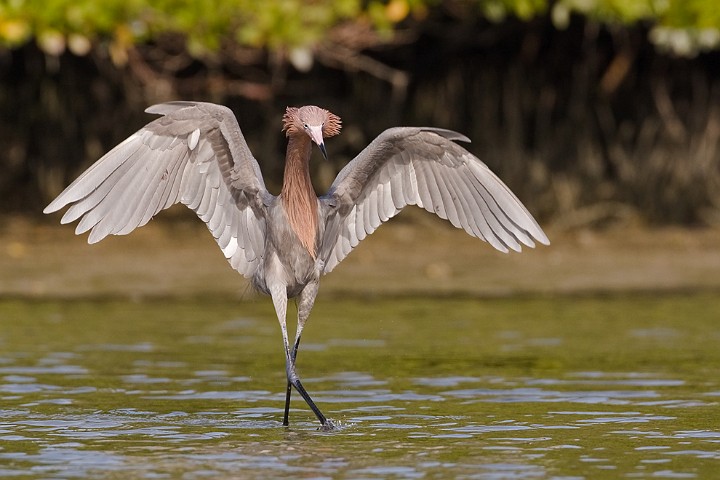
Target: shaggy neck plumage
column 298, row 195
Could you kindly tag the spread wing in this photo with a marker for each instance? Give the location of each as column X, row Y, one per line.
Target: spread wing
column 194, row 154
column 424, row 167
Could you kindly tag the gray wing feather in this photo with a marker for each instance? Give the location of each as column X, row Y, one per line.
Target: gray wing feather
column 194, row 154
column 424, row 167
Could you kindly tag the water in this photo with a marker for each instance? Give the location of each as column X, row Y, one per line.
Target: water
column 566, row 388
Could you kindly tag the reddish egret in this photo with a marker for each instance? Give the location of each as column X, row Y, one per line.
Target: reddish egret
column 195, row 154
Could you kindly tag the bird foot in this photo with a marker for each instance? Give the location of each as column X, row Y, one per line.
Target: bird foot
column 328, row 426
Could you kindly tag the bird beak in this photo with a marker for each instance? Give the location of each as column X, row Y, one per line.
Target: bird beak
column 317, row 136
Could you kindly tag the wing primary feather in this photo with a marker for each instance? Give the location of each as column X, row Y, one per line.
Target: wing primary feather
column 89, row 202
column 515, row 210
column 464, row 185
column 500, row 212
column 434, row 202
column 208, row 197
column 460, row 203
column 397, row 185
column 499, row 222
column 141, row 191
column 119, row 183
column 371, row 219
column 164, row 194
column 411, row 190
column 387, row 205
column 489, row 223
column 424, row 199
column 448, row 202
column 106, row 215
column 89, row 180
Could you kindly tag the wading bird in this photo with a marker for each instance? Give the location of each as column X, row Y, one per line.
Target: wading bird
column 196, row 154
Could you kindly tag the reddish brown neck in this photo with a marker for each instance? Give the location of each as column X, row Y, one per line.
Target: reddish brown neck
column 298, row 195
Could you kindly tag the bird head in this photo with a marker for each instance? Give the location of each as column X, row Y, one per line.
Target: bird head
column 315, row 122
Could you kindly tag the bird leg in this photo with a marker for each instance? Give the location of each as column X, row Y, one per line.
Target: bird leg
column 280, row 301
column 305, row 302
column 288, row 392
column 294, row 379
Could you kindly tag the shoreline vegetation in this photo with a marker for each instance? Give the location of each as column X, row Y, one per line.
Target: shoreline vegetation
column 592, row 112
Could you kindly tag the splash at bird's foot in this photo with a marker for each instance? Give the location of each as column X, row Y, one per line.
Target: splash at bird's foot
column 329, row 426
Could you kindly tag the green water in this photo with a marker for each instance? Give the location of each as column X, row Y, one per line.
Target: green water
column 607, row 387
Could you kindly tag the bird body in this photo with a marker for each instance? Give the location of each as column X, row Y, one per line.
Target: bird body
column 286, row 259
column 195, row 154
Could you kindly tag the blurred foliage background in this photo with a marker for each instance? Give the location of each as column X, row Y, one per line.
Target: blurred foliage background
column 593, row 111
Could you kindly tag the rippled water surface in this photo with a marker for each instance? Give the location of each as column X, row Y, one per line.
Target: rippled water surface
column 612, row 387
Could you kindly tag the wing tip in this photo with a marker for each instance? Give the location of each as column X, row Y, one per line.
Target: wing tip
column 540, row 236
column 52, row 207
column 166, row 108
column 528, row 239
column 448, row 134
column 60, row 202
column 534, row 235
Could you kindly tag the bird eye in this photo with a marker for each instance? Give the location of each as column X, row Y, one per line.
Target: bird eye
column 305, row 126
